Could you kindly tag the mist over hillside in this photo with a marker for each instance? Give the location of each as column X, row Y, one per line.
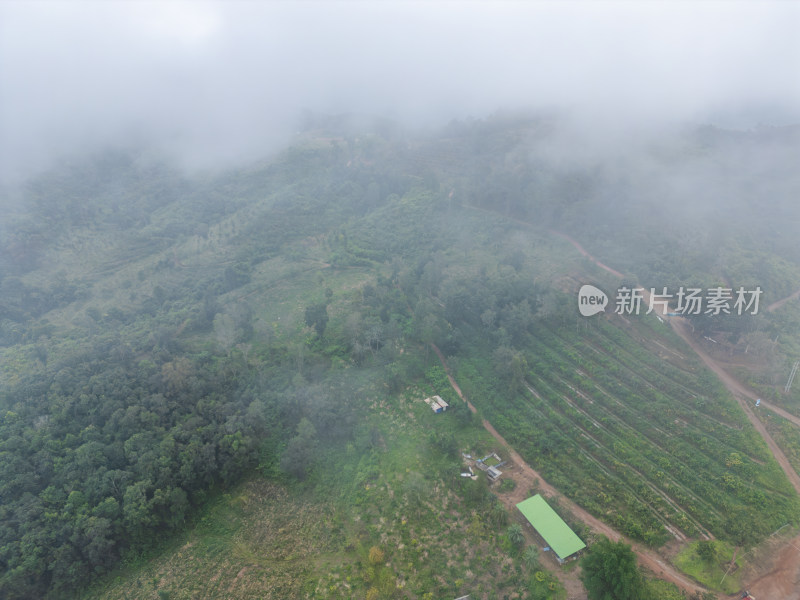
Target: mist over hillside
column 213, row 84
column 240, row 244
column 206, row 316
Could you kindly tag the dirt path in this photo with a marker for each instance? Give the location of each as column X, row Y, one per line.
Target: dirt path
column 742, row 394
column 526, row 478
column 583, row 251
column 781, row 580
column 780, row 412
column 577, row 245
column 782, row 301
column 780, row 576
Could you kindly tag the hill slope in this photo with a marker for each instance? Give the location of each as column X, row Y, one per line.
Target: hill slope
column 165, row 336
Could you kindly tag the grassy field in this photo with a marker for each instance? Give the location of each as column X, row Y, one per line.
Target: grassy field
column 256, row 542
column 716, row 571
column 385, row 516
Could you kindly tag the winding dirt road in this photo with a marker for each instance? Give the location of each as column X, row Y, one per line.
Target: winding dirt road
column 780, row 580
column 742, row 394
column 583, row 251
column 530, row 477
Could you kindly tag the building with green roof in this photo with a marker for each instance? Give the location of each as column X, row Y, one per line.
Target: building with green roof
column 555, row 532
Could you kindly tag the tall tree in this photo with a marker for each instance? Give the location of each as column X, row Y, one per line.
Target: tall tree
column 610, row 572
column 299, row 454
column 317, row 317
column 515, row 535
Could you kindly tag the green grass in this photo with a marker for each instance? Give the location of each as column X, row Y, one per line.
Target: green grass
column 259, row 541
column 390, row 487
column 712, row 574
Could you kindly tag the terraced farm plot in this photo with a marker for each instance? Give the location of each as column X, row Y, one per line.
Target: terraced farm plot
column 656, row 447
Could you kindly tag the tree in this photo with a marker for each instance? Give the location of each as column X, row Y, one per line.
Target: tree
column 511, row 367
column 225, row 331
column 610, row 572
column 431, row 330
column 497, row 515
column 515, row 535
column 707, row 552
column 136, row 515
column 176, row 373
column 741, row 526
column 517, row 318
column 317, row 317
column 300, row 451
column 531, row 557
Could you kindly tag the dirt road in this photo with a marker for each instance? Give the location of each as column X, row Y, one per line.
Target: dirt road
column 581, row 249
column 527, row 477
column 781, row 578
column 782, row 301
column 742, row 394
column 780, row 412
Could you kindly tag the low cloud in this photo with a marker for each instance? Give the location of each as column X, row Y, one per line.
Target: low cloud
column 214, row 83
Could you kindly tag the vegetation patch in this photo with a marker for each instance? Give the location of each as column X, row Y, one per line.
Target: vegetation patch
column 710, row 563
column 383, row 516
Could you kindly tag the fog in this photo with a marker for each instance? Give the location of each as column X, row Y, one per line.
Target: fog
column 213, row 83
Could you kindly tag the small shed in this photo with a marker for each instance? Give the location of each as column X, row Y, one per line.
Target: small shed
column 437, row 404
column 555, row 532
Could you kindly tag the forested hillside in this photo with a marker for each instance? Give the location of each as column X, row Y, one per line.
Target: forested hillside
column 139, row 374
column 165, row 336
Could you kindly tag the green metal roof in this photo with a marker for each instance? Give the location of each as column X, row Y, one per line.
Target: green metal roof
column 550, row 526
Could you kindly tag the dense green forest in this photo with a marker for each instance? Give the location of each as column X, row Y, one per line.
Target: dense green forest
column 128, row 395
column 166, row 336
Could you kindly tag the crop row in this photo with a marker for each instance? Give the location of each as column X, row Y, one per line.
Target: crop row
column 646, row 445
column 660, row 415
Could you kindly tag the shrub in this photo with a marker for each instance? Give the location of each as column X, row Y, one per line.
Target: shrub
column 376, row 555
